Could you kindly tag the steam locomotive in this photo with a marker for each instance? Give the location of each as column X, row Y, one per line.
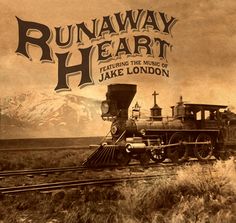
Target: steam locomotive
column 194, row 130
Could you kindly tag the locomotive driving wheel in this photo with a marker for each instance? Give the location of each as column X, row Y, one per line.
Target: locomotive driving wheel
column 203, row 151
column 177, row 153
column 158, row 155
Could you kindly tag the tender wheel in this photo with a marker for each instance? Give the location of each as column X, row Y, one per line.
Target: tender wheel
column 222, row 155
column 158, row 156
column 144, row 158
column 178, row 153
column 220, row 152
column 122, row 158
column 203, row 151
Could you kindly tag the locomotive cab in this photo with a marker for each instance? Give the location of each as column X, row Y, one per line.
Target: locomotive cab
column 206, row 116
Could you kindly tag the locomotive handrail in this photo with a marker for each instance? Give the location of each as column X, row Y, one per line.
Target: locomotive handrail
column 197, row 143
column 104, row 138
column 178, row 144
column 120, row 137
column 183, row 130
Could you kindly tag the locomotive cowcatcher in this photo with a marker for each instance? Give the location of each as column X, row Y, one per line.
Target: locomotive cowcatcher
column 193, row 130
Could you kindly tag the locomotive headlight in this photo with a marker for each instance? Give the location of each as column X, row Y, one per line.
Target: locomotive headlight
column 105, row 107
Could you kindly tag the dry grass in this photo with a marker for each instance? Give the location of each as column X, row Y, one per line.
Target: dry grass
column 199, row 194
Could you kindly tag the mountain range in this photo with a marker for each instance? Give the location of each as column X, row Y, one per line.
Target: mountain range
column 38, row 114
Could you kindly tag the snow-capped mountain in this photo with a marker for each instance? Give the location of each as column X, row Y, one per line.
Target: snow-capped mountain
column 35, row 114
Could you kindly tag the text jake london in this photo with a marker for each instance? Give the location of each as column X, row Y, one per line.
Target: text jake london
column 133, row 70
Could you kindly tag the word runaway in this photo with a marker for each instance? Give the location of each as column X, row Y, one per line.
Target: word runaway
column 132, row 20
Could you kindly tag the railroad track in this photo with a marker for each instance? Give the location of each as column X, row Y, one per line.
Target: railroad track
column 81, row 169
column 91, row 182
column 77, row 183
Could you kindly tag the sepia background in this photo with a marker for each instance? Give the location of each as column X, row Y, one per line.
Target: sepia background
column 202, row 65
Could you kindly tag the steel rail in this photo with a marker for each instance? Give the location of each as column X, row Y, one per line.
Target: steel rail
column 62, row 169
column 77, row 183
column 40, row 171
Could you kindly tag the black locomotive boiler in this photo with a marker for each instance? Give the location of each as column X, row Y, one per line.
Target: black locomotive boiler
column 193, row 130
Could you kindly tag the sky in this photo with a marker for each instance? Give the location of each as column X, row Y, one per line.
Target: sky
column 201, row 63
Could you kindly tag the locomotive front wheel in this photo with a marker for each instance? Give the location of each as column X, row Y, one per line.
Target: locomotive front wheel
column 144, row 158
column 158, row 156
column 203, row 151
column 178, row 153
column 122, row 158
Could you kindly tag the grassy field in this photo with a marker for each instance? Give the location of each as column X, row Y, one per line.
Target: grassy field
column 42, row 159
column 196, row 195
column 34, row 144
